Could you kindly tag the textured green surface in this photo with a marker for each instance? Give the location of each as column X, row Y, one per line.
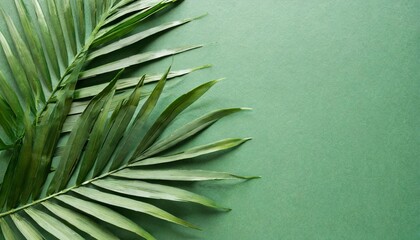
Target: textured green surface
column 335, row 87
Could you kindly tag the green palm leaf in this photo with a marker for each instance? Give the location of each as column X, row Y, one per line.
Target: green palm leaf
column 78, row 148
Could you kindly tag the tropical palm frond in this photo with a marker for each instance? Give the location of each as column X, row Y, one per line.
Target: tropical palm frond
column 99, row 137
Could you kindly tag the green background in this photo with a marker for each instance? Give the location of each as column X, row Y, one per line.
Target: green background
column 335, row 88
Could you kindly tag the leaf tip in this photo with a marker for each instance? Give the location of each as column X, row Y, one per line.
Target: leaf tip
column 246, row 177
column 225, row 209
column 192, row 226
column 218, row 80
column 196, row 18
column 252, row 177
column 202, row 67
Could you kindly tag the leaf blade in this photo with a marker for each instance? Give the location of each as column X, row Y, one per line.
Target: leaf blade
column 134, row 60
column 81, row 22
column 172, row 111
column 127, row 24
column 34, row 42
column 79, row 221
column 56, row 113
column 7, row 231
column 154, row 191
column 23, row 166
column 176, row 175
column 25, row 57
column 193, row 152
column 57, row 26
column 94, row 144
column 46, row 35
column 190, row 130
column 125, row 83
column 67, row 13
column 18, row 73
column 116, row 131
column 26, row 228
column 52, row 225
column 129, row 142
column 124, row 9
column 134, row 205
column 105, row 214
column 122, row 43
column 78, row 138
column 10, row 96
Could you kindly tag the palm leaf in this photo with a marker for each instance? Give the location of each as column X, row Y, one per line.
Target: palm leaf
column 98, row 136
